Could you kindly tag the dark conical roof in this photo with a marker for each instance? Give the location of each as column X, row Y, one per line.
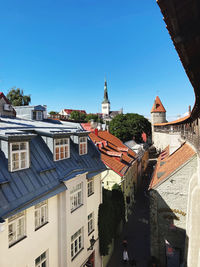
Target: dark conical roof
column 105, row 94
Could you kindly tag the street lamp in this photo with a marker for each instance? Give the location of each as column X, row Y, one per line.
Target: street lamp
column 92, row 242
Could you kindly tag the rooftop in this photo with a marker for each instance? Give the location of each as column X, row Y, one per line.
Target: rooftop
column 158, row 106
column 44, row 178
column 114, row 153
column 167, row 164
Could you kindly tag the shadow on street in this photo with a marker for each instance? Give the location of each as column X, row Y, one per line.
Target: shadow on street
column 137, row 230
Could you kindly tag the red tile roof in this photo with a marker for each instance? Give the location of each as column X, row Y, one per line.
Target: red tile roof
column 69, row 111
column 113, row 152
column 87, row 126
column 158, row 106
column 167, row 164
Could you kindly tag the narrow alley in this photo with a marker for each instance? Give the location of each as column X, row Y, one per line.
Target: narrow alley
column 137, row 229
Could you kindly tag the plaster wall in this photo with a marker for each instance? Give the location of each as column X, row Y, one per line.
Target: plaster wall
column 193, row 219
column 169, row 207
column 78, row 219
column 162, row 140
column 105, row 108
column 27, row 250
column 109, row 178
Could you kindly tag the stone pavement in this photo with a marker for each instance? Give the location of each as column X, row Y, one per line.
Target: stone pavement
column 136, row 230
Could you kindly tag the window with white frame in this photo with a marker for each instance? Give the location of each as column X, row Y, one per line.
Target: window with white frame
column 76, row 242
column 42, row 260
column 90, row 223
column 76, row 196
column 16, row 228
column 41, row 214
column 82, row 145
column 90, row 186
column 19, row 155
column 39, row 116
column 61, row 148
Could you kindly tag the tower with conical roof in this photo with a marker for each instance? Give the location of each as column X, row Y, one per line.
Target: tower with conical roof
column 158, row 114
column 105, row 103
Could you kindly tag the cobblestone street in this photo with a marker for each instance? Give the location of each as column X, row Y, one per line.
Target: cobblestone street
column 136, row 230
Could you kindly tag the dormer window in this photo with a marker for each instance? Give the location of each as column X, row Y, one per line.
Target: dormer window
column 82, row 145
column 37, row 115
column 61, row 149
column 19, row 155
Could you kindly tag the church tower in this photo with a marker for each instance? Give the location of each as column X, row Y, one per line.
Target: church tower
column 105, row 106
column 158, row 114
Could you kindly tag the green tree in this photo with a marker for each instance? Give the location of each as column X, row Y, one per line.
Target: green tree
column 93, row 117
column 77, row 116
column 53, row 112
column 129, row 126
column 17, row 98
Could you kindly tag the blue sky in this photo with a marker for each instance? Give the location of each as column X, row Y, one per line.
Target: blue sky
column 60, row 51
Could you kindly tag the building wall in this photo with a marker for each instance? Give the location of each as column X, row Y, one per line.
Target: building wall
column 192, row 254
column 169, row 207
column 105, row 108
column 128, row 184
column 109, row 178
column 161, row 140
column 27, row 250
column 79, row 218
column 5, row 112
column 145, row 160
column 158, row 117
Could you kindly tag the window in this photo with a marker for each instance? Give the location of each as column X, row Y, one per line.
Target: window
column 90, row 223
column 19, row 155
column 76, row 242
column 90, row 187
column 16, row 228
column 42, row 260
column 76, row 198
column 41, row 214
column 38, row 115
column 82, row 145
column 61, row 149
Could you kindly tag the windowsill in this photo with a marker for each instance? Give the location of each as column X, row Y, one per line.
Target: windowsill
column 91, row 194
column 11, row 245
column 90, row 232
column 82, row 154
column 61, row 159
column 41, row 226
column 77, row 254
column 76, row 208
column 21, row 169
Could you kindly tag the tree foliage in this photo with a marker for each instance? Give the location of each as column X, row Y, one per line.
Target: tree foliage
column 77, row 116
column 93, row 117
column 129, row 126
column 111, row 213
column 53, row 112
column 17, row 98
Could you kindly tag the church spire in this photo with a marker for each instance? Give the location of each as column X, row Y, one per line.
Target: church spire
column 105, row 93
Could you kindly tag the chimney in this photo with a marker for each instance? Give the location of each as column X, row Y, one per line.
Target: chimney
column 189, row 110
column 96, row 131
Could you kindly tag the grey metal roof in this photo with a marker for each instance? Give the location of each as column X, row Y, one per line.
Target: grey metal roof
column 44, row 178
